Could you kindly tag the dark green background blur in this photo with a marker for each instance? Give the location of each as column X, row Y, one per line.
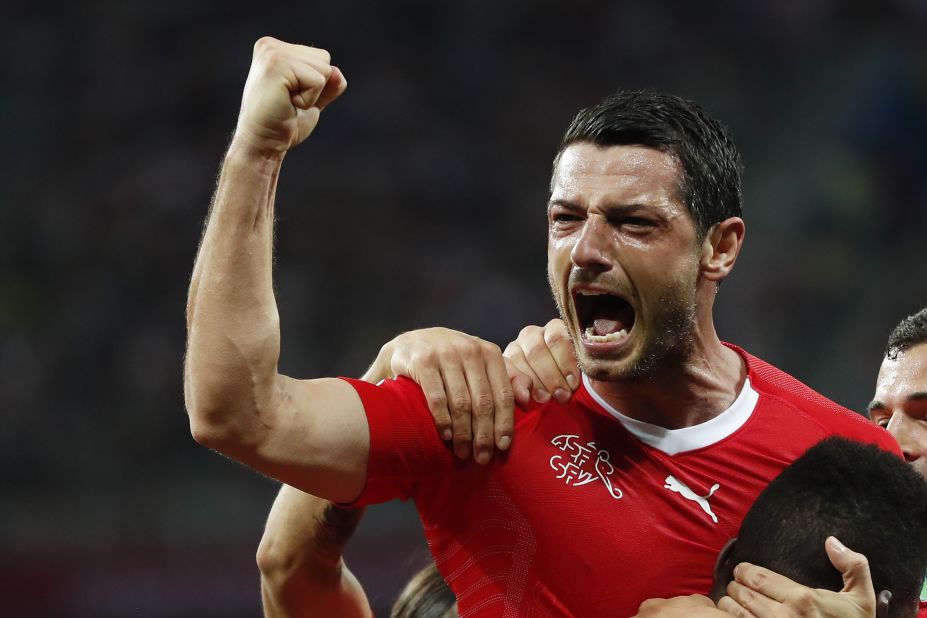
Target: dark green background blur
column 419, row 201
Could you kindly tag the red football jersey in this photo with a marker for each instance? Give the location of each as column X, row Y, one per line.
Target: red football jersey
column 590, row 513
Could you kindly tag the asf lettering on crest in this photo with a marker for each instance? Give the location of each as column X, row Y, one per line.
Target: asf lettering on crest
column 575, row 464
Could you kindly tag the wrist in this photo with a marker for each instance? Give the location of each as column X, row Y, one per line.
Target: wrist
column 245, row 151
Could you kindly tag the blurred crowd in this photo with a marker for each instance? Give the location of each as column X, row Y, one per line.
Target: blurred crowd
column 420, row 201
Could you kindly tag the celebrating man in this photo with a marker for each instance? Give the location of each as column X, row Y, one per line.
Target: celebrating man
column 627, row 491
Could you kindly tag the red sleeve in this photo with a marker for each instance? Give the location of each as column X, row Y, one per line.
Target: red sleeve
column 404, row 444
column 922, row 612
column 873, row 434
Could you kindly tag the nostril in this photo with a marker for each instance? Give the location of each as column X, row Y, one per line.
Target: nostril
column 910, row 457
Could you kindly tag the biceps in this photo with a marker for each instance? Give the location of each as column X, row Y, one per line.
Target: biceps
column 318, row 440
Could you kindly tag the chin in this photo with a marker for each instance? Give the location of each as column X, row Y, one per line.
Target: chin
column 604, row 370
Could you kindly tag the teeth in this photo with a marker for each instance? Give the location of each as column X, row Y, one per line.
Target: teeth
column 609, row 338
column 590, row 293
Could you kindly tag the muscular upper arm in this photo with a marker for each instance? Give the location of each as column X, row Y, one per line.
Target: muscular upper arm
column 316, row 439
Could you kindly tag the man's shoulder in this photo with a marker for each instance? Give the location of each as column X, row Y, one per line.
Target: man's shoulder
column 776, row 387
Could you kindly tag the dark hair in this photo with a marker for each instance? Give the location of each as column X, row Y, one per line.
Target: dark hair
column 710, row 183
column 869, row 499
column 910, row 331
column 425, row 596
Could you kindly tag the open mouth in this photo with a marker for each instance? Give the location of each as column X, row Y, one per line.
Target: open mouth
column 603, row 317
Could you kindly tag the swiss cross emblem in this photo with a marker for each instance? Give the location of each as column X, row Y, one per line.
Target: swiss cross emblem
column 579, row 463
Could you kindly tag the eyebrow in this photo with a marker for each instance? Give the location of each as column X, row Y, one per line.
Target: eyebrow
column 878, row 405
column 612, row 209
column 564, row 204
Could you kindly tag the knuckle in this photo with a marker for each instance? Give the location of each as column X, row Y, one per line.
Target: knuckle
column 426, row 357
column 504, row 426
column 756, row 579
column 263, row 43
column 554, row 336
column 490, row 348
column 484, row 405
column 460, row 405
column 507, row 396
column 436, row 400
column 482, row 440
column 534, row 353
column 469, row 350
column 801, row 599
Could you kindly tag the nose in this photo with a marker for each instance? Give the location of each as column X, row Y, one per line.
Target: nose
column 905, row 432
column 591, row 250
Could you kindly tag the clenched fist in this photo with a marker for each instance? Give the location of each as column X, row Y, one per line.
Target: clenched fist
column 288, row 87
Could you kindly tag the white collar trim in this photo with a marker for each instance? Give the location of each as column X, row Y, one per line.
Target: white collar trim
column 675, row 441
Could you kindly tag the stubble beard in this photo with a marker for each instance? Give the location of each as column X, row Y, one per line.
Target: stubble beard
column 669, row 342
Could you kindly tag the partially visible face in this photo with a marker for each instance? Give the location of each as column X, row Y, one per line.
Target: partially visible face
column 900, row 403
column 622, row 259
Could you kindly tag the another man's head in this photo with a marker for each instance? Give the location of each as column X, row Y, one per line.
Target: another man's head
column 425, row 596
column 644, row 223
column 869, row 499
column 900, row 402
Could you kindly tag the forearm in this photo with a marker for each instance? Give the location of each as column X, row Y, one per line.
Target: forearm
column 300, row 558
column 233, row 336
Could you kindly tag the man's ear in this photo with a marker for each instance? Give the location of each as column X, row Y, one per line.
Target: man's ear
column 720, row 248
column 724, row 570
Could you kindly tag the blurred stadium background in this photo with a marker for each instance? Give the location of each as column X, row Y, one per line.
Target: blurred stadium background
column 419, row 201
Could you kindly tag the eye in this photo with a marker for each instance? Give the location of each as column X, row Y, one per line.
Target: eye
column 562, row 216
column 638, row 221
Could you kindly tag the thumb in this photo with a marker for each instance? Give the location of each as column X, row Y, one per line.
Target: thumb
column 853, row 566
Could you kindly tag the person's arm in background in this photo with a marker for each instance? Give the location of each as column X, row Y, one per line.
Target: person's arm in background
column 300, row 559
column 311, row 434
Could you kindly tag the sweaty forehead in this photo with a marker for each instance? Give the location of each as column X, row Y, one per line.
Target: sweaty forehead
column 905, row 374
column 625, row 174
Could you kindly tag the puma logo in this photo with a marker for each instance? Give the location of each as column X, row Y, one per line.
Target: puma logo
column 674, row 484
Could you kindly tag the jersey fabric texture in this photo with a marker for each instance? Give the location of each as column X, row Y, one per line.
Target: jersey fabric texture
column 590, row 513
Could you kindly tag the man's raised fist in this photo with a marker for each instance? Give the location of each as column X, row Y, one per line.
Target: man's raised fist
column 288, row 86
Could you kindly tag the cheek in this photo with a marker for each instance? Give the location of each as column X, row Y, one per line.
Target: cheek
column 558, row 257
column 919, row 435
column 559, row 244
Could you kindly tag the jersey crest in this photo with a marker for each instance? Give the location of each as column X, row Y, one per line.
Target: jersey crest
column 580, row 463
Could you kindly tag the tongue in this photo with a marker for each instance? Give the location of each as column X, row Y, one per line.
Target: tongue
column 604, row 326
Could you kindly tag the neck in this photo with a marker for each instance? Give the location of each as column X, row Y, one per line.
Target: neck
column 682, row 394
